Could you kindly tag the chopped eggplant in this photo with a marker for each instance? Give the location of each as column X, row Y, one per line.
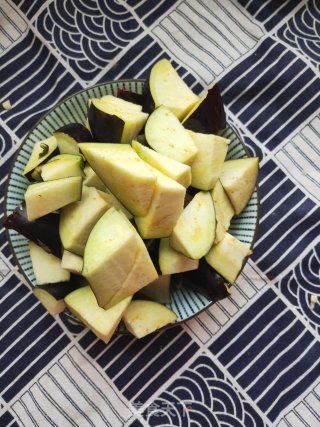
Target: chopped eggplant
column 62, row 166
column 144, row 317
column 208, row 163
column 165, row 134
column 168, row 89
column 50, row 303
column 91, row 179
column 78, row 219
column 238, row 178
column 41, row 152
column 194, row 232
column 172, row 261
column 43, row 231
column 114, row 123
column 227, row 257
column 209, row 116
column 176, row 170
column 46, row 267
column 128, row 177
column 83, row 304
column 72, row 262
column 43, row 198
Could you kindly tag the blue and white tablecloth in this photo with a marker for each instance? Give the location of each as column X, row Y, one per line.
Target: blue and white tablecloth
column 250, row 360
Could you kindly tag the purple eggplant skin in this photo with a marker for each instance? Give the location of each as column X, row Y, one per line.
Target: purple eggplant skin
column 204, row 280
column 210, row 116
column 60, row 290
column 43, row 231
column 105, row 127
column 144, row 99
column 77, row 131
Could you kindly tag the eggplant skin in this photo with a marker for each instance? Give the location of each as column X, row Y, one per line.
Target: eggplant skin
column 105, row 127
column 204, row 280
column 144, row 99
column 43, row 231
column 210, row 116
column 77, row 131
column 60, row 290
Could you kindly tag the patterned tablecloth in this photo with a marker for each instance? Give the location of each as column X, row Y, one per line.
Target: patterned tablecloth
column 250, row 360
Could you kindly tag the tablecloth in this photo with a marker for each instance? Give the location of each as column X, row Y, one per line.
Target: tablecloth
column 249, row 360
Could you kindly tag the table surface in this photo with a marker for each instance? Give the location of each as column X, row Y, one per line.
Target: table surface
column 249, row 360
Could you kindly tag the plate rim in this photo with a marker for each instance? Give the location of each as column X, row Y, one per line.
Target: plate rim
column 62, row 101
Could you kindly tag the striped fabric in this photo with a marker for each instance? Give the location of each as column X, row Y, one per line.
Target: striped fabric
column 252, row 359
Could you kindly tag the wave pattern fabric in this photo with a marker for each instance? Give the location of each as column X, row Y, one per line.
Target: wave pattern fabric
column 250, row 360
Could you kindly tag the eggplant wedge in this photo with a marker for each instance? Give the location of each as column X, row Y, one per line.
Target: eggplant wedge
column 165, row 134
column 41, row 152
column 111, row 121
column 168, row 89
column 43, row 198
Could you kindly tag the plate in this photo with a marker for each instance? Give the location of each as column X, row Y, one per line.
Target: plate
column 186, row 303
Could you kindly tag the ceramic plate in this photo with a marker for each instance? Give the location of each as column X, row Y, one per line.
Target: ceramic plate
column 185, row 302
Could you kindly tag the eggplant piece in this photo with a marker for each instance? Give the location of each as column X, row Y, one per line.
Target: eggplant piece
column 144, row 99
column 46, row 267
column 62, row 166
column 41, row 152
column 51, row 304
column 158, row 290
column 168, row 89
column 77, row 131
column 209, row 115
column 204, row 280
column 61, row 289
column 42, row 231
column 115, row 120
column 45, row 197
column 105, row 127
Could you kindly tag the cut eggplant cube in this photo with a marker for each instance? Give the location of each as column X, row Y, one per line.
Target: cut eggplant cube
column 208, row 163
column 143, row 317
column 238, row 178
column 165, row 134
column 46, row 267
column 114, row 123
column 72, row 262
column 78, row 219
column 172, row 261
column 167, row 88
column 223, row 209
column 62, row 166
column 194, row 232
column 175, row 170
column 128, row 177
column 228, row 256
column 42, row 231
column 43, row 198
column 41, row 152
column 50, row 303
